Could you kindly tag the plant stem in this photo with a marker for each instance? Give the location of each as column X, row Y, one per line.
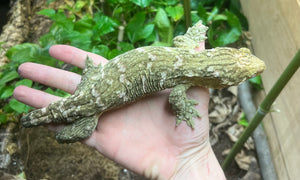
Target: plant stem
column 187, row 13
column 264, row 108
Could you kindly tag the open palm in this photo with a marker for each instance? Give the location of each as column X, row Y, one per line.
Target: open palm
column 141, row 136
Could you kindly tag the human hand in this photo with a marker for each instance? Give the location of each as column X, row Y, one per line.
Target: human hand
column 141, row 136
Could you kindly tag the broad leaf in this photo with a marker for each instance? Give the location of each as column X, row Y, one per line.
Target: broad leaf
column 142, row 3
column 24, row 82
column 8, row 77
column 175, row 12
column 256, row 82
column 18, row 106
column 165, row 30
column 6, row 92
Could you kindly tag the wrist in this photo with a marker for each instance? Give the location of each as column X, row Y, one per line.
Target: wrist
column 198, row 164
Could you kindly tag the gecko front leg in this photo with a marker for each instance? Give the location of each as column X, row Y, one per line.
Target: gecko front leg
column 182, row 106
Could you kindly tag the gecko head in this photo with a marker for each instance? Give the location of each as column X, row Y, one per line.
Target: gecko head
column 248, row 64
column 238, row 66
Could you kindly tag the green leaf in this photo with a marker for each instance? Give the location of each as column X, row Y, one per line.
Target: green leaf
column 142, row 3
column 220, row 17
column 101, row 50
column 161, row 19
column 233, row 20
column 113, row 53
column 202, row 13
column 6, row 92
column 23, row 52
column 18, row 106
column 61, row 21
column 135, row 26
column 48, row 39
column 170, row 2
column 223, row 37
column 235, row 7
column 243, row 121
column 225, row 30
column 212, row 14
column 76, row 39
column 2, row 86
column 24, row 82
column 124, row 46
column 79, row 5
column 165, row 30
column 61, row 93
column 3, row 118
column 8, row 77
column 175, row 12
column 47, row 12
column 136, row 30
column 57, row 92
column 84, row 25
column 104, row 25
column 147, row 30
column 49, row 91
column 195, row 18
column 256, row 82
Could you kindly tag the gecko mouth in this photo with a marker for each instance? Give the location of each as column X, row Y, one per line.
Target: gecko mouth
column 254, row 75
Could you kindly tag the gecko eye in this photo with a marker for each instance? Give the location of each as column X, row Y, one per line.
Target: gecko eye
column 245, row 50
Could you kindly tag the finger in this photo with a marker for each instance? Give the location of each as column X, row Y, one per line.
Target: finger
column 33, row 97
column 64, row 80
column 74, row 56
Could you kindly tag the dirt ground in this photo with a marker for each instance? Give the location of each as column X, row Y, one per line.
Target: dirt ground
column 44, row 158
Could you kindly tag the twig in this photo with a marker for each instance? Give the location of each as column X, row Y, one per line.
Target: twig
column 187, row 13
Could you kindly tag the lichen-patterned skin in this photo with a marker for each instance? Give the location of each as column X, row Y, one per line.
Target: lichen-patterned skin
column 144, row 71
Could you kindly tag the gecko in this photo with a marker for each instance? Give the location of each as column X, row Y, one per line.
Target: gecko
column 142, row 72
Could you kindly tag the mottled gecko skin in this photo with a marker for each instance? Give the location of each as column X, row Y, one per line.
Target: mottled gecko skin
column 144, row 71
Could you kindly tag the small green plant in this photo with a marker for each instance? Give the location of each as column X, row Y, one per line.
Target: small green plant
column 256, row 82
column 243, row 120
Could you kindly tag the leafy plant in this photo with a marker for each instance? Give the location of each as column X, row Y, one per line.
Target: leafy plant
column 243, row 120
column 114, row 28
column 225, row 20
column 256, row 82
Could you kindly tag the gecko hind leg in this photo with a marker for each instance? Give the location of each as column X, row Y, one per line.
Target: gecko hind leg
column 78, row 130
column 182, row 106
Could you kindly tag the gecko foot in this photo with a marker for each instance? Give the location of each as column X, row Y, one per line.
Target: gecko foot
column 182, row 106
column 78, row 130
column 187, row 114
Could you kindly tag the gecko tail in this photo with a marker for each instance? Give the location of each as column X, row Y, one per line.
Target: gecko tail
column 36, row 117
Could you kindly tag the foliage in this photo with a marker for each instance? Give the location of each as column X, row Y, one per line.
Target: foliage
column 114, row 28
column 243, row 120
column 225, row 20
column 256, row 82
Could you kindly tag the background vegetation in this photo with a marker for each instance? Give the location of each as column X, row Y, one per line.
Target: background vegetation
column 112, row 28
